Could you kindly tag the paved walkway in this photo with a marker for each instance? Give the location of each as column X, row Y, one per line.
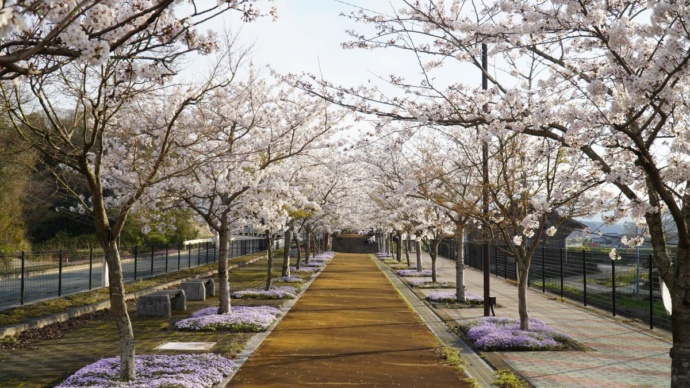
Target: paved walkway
column 350, row 328
column 622, row 355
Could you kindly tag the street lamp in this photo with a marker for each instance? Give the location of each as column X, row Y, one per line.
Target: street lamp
column 485, row 194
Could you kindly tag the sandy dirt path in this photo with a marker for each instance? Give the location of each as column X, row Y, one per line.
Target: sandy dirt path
column 350, row 328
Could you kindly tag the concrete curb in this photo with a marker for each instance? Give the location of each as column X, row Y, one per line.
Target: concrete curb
column 475, row 366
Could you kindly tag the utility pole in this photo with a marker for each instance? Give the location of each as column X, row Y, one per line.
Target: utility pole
column 486, row 263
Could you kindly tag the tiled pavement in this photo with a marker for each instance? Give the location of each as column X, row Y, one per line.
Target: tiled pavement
column 621, row 355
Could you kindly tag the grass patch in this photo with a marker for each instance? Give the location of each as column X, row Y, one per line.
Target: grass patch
column 471, row 382
column 507, row 379
column 451, row 356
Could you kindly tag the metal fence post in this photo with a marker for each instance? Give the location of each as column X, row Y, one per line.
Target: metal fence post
column 613, row 285
column 189, row 256
column 166, row 258
column 179, row 251
column 651, row 292
column 494, row 255
column 198, row 255
column 543, row 270
column 152, row 253
column 90, row 265
column 136, row 253
column 505, row 265
column 60, row 273
column 206, row 252
column 23, row 284
column 584, row 277
column 561, row 272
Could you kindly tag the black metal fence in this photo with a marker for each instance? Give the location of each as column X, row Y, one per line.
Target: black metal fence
column 28, row 277
column 628, row 287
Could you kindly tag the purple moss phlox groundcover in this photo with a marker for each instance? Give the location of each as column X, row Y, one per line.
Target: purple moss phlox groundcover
column 412, row 272
column 279, row 292
column 494, row 333
column 240, row 318
column 305, row 269
column 238, row 310
column 450, row 297
column 314, row 263
column 428, row 283
column 289, row 279
column 324, row 255
column 155, row 370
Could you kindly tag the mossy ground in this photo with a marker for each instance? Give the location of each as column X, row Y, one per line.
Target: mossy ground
column 45, row 363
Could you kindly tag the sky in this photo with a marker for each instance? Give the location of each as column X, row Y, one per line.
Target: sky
column 307, row 37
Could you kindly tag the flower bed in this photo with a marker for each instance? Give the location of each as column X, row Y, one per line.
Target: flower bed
column 251, row 319
column 182, row 370
column 450, row 297
column 279, row 292
column 412, row 272
column 324, row 255
column 314, row 263
column 425, row 283
column 289, row 279
column 493, row 333
column 305, row 269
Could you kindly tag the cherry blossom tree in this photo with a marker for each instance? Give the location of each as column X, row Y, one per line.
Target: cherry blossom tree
column 259, row 126
column 120, row 140
column 603, row 78
column 447, row 176
column 111, row 64
column 337, row 185
column 533, row 188
column 39, row 37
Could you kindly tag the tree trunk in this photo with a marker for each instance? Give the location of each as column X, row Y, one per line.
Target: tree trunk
column 418, row 249
column 223, row 282
column 118, row 310
column 269, row 256
column 398, row 247
column 433, row 252
column 286, row 253
column 523, row 272
column 680, row 318
column 299, row 251
column 307, row 241
column 326, row 246
column 680, row 351
column 460, row 263
column 407, row 250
